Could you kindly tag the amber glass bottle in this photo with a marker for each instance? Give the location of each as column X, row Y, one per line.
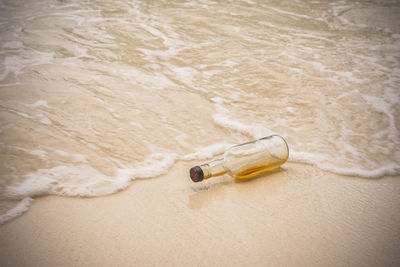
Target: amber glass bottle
column 246, row 160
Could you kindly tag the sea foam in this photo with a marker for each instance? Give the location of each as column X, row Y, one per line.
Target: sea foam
column 20, row 208
column 322, row 161
column 85, row 181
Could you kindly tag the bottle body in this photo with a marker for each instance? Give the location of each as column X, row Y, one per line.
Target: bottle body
column 246, row 160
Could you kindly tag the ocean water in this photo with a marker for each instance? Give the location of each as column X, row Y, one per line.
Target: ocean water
column 94, row 94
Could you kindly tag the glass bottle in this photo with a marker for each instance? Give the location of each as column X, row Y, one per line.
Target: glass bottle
column 246, row 160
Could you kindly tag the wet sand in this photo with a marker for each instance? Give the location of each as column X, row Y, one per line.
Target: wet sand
column 297, row 216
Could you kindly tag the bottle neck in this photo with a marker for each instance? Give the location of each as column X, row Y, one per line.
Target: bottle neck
column 213, row 168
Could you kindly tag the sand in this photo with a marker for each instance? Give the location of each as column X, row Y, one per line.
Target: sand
column 297, row 216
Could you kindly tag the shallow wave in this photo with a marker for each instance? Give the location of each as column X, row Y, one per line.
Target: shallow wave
column 326, row 162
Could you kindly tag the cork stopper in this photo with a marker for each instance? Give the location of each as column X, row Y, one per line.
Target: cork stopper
column 196, row 174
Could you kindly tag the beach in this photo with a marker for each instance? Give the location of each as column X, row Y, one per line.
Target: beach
column 296, row 216
column 105, row 107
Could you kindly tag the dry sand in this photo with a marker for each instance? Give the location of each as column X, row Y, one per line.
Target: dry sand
column 298, row 216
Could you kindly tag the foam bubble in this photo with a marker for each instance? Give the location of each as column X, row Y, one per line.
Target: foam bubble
column 207, row 152
column 322, row 162
column 16, row 64
column 285, row 12
column 255, row 130
column 169, row 38
column 219, row 100
column 155, row 165
column 20, row 208
column 39, row 103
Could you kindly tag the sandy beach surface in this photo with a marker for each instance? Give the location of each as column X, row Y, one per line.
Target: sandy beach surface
column 297, row 216
column 105, row 106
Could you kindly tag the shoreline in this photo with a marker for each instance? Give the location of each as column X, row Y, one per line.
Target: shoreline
column 296, row 216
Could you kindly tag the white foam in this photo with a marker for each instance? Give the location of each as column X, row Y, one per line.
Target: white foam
column 382, row 105
column 35, row 184
column 12, row 44
column 186, row 75
column 285, row 12
column 312, row 36
column 21, row 207
column 219, row 100
column 250, row 2
column 84, row 180
column 168, row 36
column 207, row 152
column 40, row 153
column 155, row 165
column 75, row 157
column 39, row 103
column 322, row 162
column 155, row 81
column 255, row 130
column 43, row 119
column 181, row 139
column 229, row 63
column 345, row 76
column 17, row 64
